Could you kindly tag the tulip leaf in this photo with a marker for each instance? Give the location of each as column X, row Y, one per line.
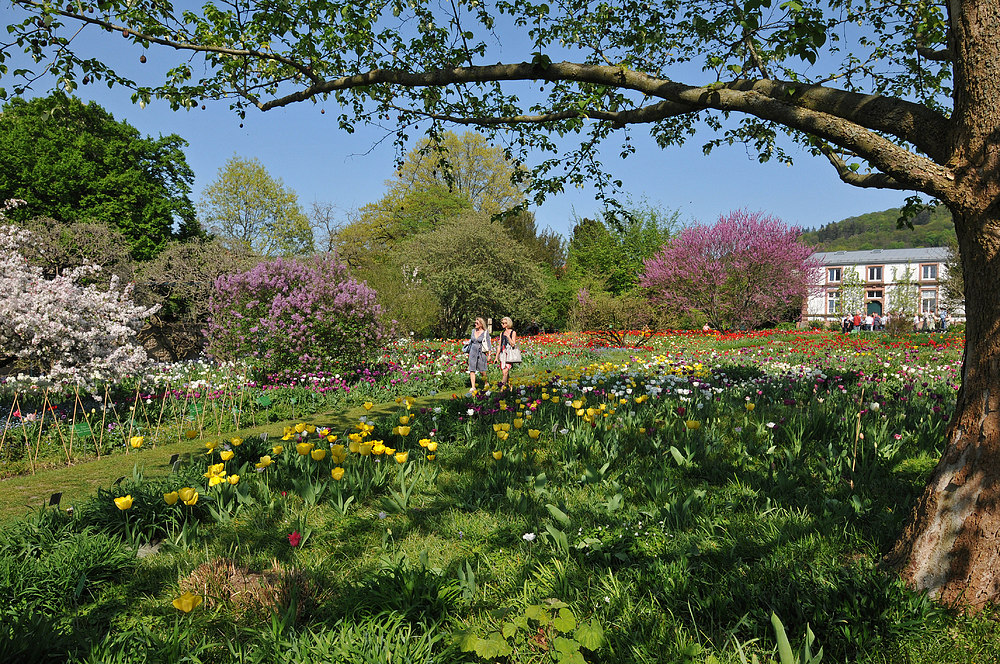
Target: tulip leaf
column 561, row 517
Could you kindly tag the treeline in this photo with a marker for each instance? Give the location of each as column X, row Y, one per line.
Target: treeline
column 453, row 237
column 880, row 230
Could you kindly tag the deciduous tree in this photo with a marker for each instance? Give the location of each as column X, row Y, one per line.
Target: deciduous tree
column 73, row 162
column 251, row 211
column 895, row 95
column 745, row 270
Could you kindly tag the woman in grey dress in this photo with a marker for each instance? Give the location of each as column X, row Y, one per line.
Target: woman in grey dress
column 479, row 348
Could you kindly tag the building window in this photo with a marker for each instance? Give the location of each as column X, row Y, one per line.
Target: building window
column 832, row 301
column 874, row 295
column 834, row 274
column 928, row 272
column 928, row 301
column 875, row 273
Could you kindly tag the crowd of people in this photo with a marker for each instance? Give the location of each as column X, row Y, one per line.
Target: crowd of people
column 874, row 322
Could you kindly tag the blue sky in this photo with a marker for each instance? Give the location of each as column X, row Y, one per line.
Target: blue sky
column 322, row 163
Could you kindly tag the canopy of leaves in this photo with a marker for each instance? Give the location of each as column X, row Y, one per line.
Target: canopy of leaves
column 474, row 268
column 251, row 211
column 609, row 254
column 74, row 162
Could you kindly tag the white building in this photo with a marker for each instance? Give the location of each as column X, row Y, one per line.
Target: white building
column 880, row 281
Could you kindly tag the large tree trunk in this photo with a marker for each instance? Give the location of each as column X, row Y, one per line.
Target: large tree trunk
column 951, row 546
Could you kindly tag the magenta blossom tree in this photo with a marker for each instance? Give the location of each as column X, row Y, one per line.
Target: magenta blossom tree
column 745, row 270
column 287, row 314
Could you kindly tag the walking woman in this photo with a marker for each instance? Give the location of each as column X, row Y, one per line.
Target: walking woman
column 508, row 339
column 479, row 348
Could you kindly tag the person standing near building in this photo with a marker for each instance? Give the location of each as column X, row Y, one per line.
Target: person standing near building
column 944, row 320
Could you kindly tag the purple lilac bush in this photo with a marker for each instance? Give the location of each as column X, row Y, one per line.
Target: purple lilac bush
column 294, row 314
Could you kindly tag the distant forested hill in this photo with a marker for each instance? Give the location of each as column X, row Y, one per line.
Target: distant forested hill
column 877, row 230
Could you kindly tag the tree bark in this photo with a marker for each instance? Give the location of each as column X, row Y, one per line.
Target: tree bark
column 951, row 546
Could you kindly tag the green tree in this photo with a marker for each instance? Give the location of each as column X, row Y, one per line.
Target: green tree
column 609, row 254
column 895, row 95
column 474, row 268
column 73, row 162
column 904, row 298
column 852, row 293
column 249, row 210
column 466, row 165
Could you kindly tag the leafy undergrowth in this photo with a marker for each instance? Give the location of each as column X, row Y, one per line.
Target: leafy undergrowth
column 657, row 510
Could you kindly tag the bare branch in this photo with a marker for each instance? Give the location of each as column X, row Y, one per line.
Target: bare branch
column 641, row 115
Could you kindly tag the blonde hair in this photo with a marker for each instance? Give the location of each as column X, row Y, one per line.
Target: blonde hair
column 506, row 319
column 481, row 321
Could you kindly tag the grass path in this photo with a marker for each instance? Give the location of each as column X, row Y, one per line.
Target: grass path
column 24, row 493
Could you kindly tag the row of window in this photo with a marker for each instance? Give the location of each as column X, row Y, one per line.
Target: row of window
column 928, row 272
column 928, row 300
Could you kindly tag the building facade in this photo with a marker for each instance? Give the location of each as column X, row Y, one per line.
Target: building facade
column 883, row 281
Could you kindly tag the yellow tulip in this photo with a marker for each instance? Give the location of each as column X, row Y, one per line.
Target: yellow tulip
column 277, row 449
column 534, row 433
column 404, row 419
column 402, row 457
column 502, row 435
column 171, row 497
column 369, row 405
column 226, row 455
column 354, row 446
column 389, row 451
column 218, row 479
column 318, row 455
column 124, row 502
column 498, row 455
column 233, row 479
column 300, row 427
column 304, row 448
column 331, row 439
column 136, row 441
column 365, row 449
column 190, row 433
column 578, row 404
column 432, row 446
column 404, row 431
column 186, row 494
column 324, row 432
column 518, row 422
column 211, row 444
column 265, row 461
column 193, row 499
column 423, row 442
column 379, row 447
column 580, row 412
column 750, row 407
column 693, row 424
column 310, row 428
column 430, row 457
column 337, row 473
column 187, row 602
column 235, row 442
column 642, row 430
column 287, row 436
column 503, row 405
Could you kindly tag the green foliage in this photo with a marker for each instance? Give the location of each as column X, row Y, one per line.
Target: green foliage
column 609, row 254
column 542, row 632
column 251, row 211
column 75, row 163
column 474, row 268
column 878, row 230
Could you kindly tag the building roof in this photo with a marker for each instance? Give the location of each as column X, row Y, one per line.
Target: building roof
column 883, row 256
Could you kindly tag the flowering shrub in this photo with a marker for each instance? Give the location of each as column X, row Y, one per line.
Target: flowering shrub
column 294, row 314
column 58, row 327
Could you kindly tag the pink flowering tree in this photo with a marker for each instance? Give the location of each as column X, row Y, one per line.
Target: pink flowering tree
column 288, row 314
column 745, row 270
column 62, row 330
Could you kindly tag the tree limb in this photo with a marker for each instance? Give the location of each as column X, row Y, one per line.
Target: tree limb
column 863, row 180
